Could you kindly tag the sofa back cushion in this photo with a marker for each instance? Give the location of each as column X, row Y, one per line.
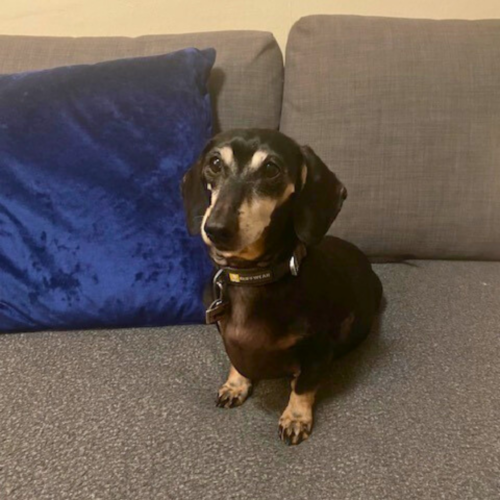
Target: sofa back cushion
column 407, row 113
column 246, row 83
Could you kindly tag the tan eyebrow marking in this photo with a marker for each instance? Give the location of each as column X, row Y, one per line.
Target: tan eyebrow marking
column 227, row 156
column 257, row 159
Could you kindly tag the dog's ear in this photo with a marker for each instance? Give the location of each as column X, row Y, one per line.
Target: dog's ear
column 319, row 200
column 195, row 195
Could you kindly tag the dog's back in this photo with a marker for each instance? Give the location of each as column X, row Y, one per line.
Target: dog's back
column 346, row 275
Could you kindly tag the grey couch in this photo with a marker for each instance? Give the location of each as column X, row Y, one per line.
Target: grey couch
column 407, row 112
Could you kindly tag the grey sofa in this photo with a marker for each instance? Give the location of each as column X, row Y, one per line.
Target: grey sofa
column 407, row 112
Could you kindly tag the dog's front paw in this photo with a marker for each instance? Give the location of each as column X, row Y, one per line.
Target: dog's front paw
column 294, row 427
column 231, row 394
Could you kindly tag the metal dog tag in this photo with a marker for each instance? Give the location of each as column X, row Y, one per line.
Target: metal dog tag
column 216, row 311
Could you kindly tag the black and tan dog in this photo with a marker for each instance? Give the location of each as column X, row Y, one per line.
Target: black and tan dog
column 287, row 300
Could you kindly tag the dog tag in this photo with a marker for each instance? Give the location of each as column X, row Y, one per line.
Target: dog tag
column 216, row 311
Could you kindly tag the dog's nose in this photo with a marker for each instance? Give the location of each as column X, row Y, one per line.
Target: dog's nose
column 218, row 232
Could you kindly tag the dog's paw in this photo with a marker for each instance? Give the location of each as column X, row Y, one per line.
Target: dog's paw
column 294, row 427
column 231, row 395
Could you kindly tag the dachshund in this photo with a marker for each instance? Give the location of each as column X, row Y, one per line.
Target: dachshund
column 287, row 299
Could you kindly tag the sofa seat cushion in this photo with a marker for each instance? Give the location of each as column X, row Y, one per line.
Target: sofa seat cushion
column 413, row 413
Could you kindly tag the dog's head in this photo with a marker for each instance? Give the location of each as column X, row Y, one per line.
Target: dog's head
column 247, row 182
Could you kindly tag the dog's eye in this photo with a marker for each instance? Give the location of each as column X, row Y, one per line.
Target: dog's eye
column 215, row 165
column 271, row 170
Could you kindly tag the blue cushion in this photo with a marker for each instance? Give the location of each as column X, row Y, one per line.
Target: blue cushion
column 92, row 231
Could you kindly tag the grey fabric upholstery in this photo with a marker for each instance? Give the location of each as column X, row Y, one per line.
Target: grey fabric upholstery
column 246, row 84
column 412, row 414
column 407, row 112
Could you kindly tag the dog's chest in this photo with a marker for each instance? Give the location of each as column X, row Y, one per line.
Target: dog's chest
column 257, row 346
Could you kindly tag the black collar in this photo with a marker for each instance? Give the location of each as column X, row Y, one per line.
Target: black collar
column 256, row 276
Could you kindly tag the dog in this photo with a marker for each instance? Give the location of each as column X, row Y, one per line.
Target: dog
column 287, row 300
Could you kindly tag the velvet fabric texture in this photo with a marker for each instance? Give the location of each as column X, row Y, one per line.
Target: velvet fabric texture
column 92, row 231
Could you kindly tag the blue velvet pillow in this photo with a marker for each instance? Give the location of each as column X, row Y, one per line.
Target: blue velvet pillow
column 92, row 231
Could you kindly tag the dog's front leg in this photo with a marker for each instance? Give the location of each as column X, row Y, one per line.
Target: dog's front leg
column 235, row 390
column 295, row 424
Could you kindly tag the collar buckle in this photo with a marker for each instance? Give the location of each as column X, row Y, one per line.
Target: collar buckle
column 296, row 259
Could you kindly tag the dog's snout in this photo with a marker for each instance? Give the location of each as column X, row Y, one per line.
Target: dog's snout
column 343, row 193
column 218, row 232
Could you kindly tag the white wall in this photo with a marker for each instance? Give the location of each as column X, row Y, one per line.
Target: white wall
column 140, row 17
